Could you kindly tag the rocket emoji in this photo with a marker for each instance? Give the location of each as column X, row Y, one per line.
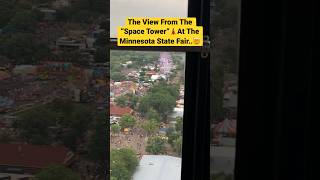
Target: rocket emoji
column 173, row 33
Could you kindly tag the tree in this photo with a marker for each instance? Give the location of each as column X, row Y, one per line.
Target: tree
column 61, row 105
column 142, row 79
column 172, row 135
column 161, row 98
column 34, row 125
column 156, row 145
column 142, row 75
column 151, row 126
column 115, row 128
column 6, row 12
column 98, row 143
column 23, row 48
column 163, row 87
column 130, row 100
column 177, row 145
column 23, row 21
column 77, row 122
column 121, row 101
column 127, row 121
column 117, row 76
column 40, row 125
column 123, row 163
column 56, row 172
column 179, row 124
column 163, row 102
column 153, row 114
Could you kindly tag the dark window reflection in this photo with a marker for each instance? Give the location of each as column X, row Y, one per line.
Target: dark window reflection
column 224, row 86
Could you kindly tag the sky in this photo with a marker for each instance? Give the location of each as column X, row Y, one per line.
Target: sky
column 120, row 9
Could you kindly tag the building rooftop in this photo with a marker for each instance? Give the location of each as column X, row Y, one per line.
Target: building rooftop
column 35, row 156
column 119, row 111
column 158, row 167
column 228, row 126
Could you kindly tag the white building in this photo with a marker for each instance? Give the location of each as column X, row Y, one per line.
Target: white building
column 158, row 167
column 177, row 112
column 155, row 77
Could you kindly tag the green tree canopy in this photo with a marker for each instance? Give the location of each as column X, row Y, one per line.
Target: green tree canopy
column 173, row 90
column 162, row 101
column 179, row 124
column 130, row 100
column 177, row 145
column 153, row 114
column 40, row 124
column 115, row 128
column 121, row 101
column 23, row 48
column 98, row 141
column 150, row 126
column 23, row 21
column 57, row 172
column 123, row 163
column 117, row 76
column 172, row 135
column 161, row 98
column 34, row 125
column 156, row 145
column 127, row 121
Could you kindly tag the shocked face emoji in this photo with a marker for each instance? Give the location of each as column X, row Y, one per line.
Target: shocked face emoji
column 196, row 40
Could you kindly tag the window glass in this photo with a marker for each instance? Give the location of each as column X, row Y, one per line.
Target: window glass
column 146, row 114
column 53, row 89
column 224, row 86
column 146, row 100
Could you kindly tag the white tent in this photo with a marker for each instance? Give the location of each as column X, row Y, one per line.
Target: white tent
column 155, row 77
column 158, row 167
